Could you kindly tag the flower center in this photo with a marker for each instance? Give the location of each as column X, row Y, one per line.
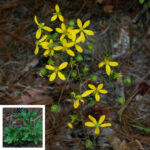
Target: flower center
column 37, row 42
column 41, row 25
column 51, row 45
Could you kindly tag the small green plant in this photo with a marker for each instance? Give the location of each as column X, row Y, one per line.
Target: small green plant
column 121, row 101
column 55, row 108
column 29, row 131
column 127, row 80
column 88, row 143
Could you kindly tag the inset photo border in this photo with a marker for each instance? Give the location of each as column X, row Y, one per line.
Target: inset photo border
column 16, row 124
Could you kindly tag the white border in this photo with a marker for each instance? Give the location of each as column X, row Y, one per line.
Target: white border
column 21, row 106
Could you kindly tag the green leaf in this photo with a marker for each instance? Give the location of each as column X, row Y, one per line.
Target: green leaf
column 37, row 122
column 149, row 4
column 141, row 1
column 142, row 128
column 8, row 140
column 35, row 141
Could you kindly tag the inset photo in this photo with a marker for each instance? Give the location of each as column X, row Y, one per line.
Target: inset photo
column 22, row 127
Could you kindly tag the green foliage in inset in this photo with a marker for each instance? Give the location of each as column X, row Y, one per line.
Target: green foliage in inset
column 30, row 131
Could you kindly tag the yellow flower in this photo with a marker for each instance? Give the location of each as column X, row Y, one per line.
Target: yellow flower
column 70, row 125
column 95, row 91
column 65, row 47
column 76, row 41
column 49, row 47
column 39, row 42
column 78, row 98
column 64, row 31
column 56, row 71
column 108, row 63
column 82, row 29
column 57, row 14
column 41, row 26
column 97, row 124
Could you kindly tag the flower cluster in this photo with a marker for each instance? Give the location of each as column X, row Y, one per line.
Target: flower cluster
column 64, row 39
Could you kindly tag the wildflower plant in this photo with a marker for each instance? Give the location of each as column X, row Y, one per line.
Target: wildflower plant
column 97, row 124
column 62, row 46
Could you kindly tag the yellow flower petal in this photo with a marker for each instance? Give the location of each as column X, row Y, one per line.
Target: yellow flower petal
column 86, row 24
column 36, row 21
column 38, row 33
column 79, row 48
column 87, row 93
column 88, row 32
column 78, row 40
column 101, row 64
column 76, row 104
column 43, row 38
column 113, row 64
column 36, row 51
column 75, row 31
column 106, row 125
column 61, row 76
column 82, row 101
column 100, row 86
column 47, row 28
column 103, row 91
column 61, row 18
column 57, row 48
column 101, row 119
column 70, row 44
column 70, row 52
column 82, row 37
column 59, row 30
column 57, row 8
column 52, row 52
column 46, row 53
column 97, row 130
column 63, row 65
column 89, row 124
column 50, row 67
column 44, row 45
column 92, row 119
column 53, row 76
column 63, row 27
column 108, row 70
column 62, row 37
column 97, row 97
column 79, row 23
column 70, row 125
column 54, row 18
column 91, row 86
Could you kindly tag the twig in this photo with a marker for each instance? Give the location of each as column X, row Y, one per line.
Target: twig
column 16, row 36
column 62, row 91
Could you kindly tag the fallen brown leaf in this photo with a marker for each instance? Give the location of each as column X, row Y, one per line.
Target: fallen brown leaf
column 108, row 9
column 35, row 96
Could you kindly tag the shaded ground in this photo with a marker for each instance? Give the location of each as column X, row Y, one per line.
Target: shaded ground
column 124, row 33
